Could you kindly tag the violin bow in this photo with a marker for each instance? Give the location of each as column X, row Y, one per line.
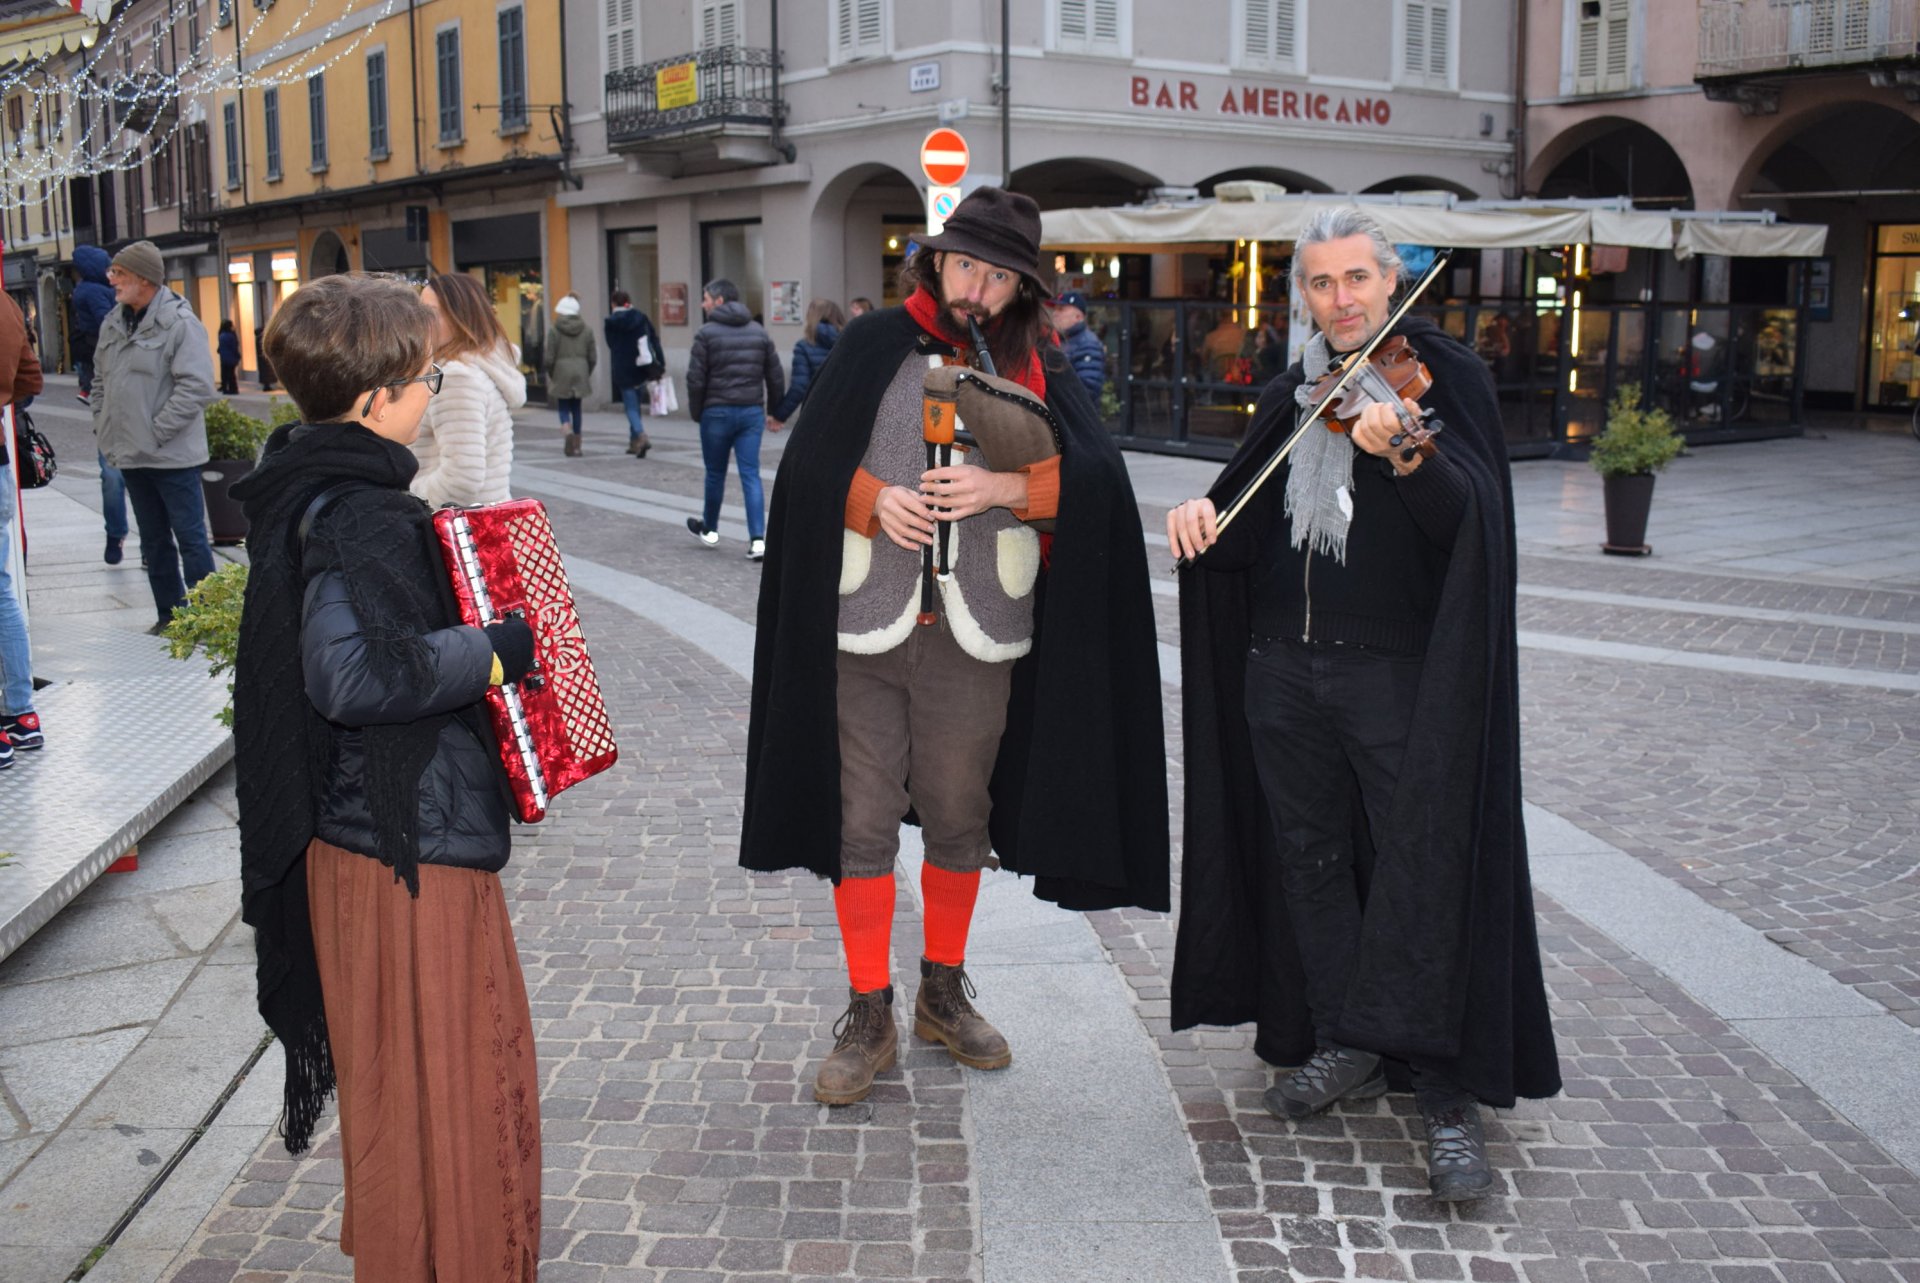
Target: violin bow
column 1354, row 363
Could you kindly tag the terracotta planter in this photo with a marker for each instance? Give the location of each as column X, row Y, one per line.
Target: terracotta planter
column 1629, row 499
column 226, row 522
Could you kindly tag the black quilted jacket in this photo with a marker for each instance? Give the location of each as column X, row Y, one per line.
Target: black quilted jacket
column 733, row 362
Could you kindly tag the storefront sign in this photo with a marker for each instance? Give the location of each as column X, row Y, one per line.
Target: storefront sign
column 673, row 305
column 783, row 303
column 676, row 86
column 1268, row 102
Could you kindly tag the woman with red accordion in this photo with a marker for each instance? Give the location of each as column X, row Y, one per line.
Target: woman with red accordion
column 373, row 820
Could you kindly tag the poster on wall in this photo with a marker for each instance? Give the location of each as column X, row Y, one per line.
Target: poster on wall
column 673, row 304
column 783, row 303
column 1819, row 278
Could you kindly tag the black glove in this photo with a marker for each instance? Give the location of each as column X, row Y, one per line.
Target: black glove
column 512, row 642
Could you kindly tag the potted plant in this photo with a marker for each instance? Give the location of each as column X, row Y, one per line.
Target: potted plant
column 1638, row 442
column 233, row 446
column 210, row 622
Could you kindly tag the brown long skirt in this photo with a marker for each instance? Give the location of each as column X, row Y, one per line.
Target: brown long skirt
column 433, row 1046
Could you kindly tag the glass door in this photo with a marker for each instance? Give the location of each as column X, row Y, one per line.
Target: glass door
column 1893, row 368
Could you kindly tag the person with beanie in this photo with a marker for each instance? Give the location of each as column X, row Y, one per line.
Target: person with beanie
column 153, row 381
column 374, row 815
column 572, row 355
column 91, row 301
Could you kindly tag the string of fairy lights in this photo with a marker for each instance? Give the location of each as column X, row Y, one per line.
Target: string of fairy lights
column 85, row 112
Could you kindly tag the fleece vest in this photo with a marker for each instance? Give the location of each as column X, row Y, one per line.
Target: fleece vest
column 993, row 557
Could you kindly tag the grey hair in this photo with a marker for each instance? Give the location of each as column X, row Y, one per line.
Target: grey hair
column 723, row 289
column 1337, row 224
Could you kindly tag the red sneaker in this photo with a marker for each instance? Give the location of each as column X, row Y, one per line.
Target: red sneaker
column 23, row 731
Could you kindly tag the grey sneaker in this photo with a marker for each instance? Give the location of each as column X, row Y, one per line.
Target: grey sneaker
column 711, row 538
column 1333, row 1073
column 1457, row 1167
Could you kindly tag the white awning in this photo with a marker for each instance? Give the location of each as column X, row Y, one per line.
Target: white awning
column 1750, row 240
column 1495, row 225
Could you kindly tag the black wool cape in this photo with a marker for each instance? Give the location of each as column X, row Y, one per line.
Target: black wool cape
column 1449, row 964
column 1080, row 787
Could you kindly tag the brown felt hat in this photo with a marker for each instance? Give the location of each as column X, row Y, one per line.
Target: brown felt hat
column 999, row 226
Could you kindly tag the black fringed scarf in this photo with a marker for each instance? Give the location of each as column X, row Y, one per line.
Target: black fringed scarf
column 377, row 538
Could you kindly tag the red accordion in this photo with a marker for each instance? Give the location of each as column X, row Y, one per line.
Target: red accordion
column 552, row 725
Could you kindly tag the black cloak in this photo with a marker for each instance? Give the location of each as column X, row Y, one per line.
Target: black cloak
column 1080, row 786
column 1449, row 965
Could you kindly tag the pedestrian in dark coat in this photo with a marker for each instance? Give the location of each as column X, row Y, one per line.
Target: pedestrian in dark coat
column 229, row 345
column 90, row 305
column 733, row 375
column 1348, row 649
column 824, row 322
column 627, row 327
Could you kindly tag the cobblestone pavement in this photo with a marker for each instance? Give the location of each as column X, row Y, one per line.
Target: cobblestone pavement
column 681, row 1003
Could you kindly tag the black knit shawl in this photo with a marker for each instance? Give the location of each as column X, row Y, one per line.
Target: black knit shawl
column 1449, row 964
column 1079, row 788
column 377, row 538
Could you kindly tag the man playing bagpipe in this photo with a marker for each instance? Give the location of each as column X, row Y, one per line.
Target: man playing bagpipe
column 925, row 653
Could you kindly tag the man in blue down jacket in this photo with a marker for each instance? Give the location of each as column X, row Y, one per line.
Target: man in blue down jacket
column 1083, row 348
column 733, row 375
column 92, row 300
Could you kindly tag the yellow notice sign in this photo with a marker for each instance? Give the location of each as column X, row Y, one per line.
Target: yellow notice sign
column 676, row 86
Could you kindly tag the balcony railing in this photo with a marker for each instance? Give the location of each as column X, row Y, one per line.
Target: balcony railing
column 140, row 101
column 1748, row 37
column 694, row 94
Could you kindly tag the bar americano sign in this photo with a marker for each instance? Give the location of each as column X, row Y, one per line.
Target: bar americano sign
column 1268, row 102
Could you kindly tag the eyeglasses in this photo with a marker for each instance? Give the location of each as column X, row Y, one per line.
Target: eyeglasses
column 433, row 378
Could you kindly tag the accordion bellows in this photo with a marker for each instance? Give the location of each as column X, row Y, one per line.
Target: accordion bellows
column 552, row 725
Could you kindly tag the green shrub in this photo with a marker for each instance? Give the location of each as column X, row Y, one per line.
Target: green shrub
column 284, row 412
column 234, row 436
column 1638, row 441
column 210, row 622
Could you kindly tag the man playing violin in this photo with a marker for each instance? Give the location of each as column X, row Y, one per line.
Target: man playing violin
column 1355, row 872
column 1012, row 709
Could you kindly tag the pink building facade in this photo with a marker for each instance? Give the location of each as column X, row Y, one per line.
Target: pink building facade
column 1809, row 108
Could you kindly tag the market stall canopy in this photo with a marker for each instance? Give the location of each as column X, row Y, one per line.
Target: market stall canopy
column 34, row 29
column 1255, row 211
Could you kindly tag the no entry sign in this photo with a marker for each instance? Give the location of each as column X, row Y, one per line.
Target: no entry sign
column 943, row 157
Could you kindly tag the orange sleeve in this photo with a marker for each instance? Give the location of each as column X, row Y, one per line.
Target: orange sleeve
column 1043, row 490
column 861, row 496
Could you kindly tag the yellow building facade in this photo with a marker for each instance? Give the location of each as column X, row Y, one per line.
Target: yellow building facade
column 407, row 138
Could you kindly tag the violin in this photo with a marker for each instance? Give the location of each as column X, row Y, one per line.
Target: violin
column 1393, row 375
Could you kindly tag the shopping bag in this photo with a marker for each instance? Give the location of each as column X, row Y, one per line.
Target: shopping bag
column 660, row 398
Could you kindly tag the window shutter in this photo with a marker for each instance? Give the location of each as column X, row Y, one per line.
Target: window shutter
column 859, row 29
column 1269, row 36
column 1428, row 34
column 719, row 24
column 1601, row 62
column 1413, row 55
column 1073, row 22
column 623, row 42
column 1106, row 22
column 871, row 32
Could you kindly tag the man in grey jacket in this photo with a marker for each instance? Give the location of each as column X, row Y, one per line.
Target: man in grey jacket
column 153, row 380
column 733, row 375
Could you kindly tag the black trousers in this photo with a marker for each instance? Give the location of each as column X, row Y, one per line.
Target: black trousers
column 1329, row 724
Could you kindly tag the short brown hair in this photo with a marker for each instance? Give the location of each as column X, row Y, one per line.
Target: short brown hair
column 340, row 337
column 472, row 324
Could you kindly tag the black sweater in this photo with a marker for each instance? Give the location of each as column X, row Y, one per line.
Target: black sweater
column 1398, row 545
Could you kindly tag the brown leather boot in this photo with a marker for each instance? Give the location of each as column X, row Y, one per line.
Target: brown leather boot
column 866, row 1042
column 573, row 445
column 942, row 1013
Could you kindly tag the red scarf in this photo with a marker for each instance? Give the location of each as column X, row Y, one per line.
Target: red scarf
column 932, row 318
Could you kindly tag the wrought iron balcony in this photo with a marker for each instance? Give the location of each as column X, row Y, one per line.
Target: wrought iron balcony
column 141, row 101
column 696, row 102
column 1765, row 37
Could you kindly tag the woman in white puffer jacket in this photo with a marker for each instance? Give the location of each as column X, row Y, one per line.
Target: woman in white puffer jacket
column 466, row 441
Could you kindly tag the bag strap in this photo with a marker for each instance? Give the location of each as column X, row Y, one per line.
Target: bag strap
column 315, row 508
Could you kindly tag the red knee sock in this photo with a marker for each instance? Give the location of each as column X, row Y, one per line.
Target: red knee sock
column 950, row 898
column 865, row 909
